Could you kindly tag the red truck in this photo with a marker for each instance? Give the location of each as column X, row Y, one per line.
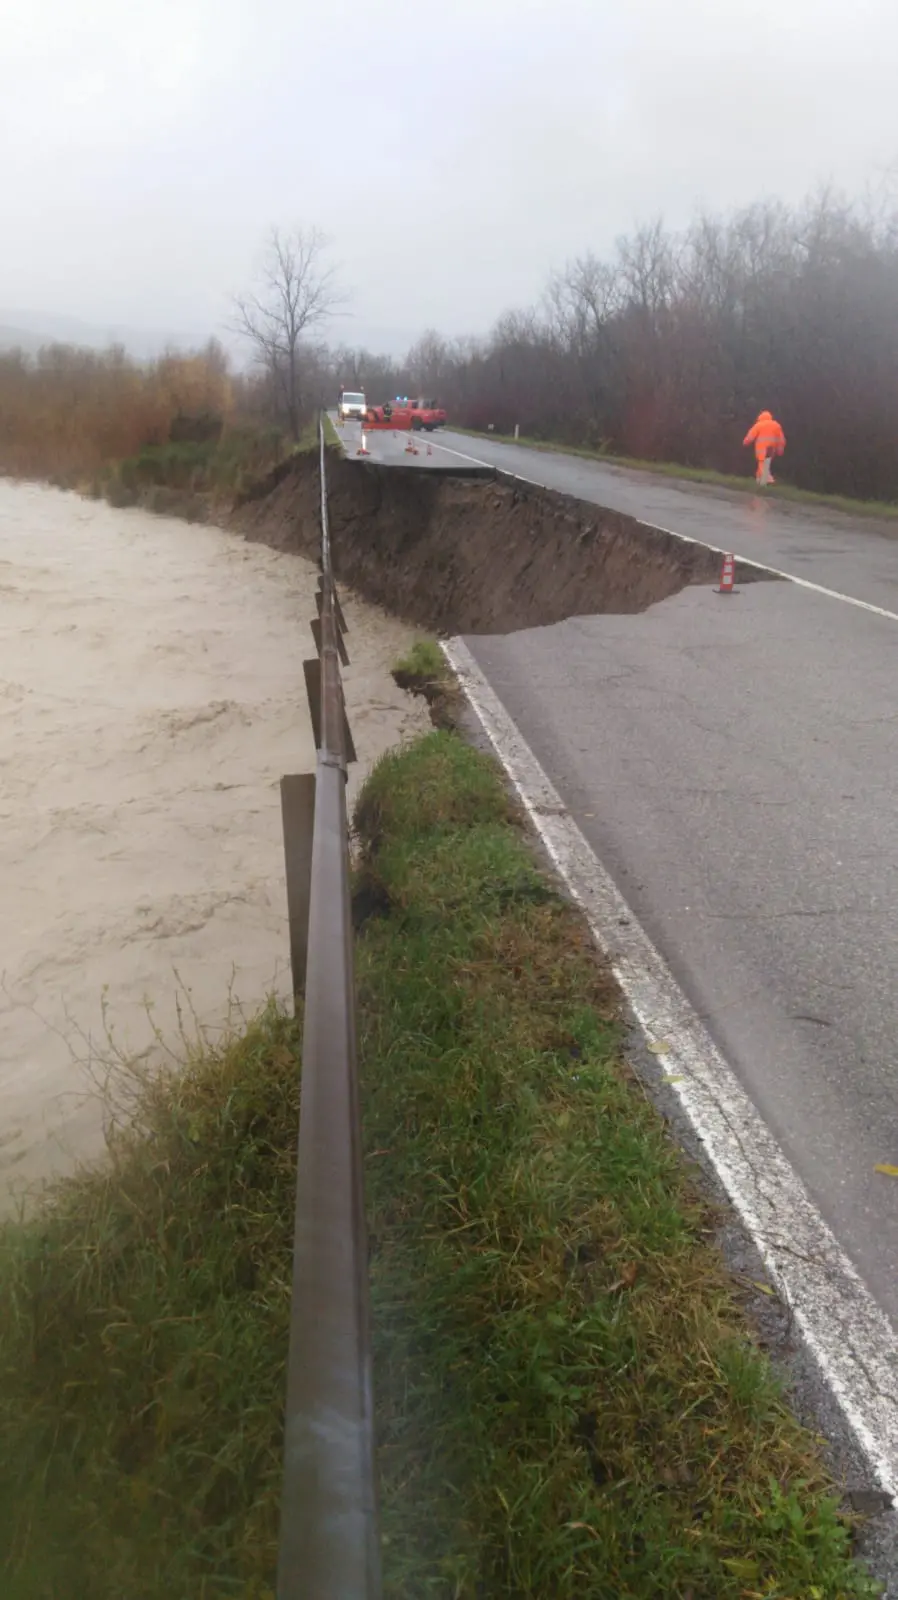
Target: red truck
column 413, row 415
column 428, row 415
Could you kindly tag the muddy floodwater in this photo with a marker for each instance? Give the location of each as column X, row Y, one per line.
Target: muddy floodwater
column 151, row 697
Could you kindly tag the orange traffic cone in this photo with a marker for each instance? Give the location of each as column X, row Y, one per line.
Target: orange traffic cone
column 411, row 448
column 363, row 448
column 727, row 576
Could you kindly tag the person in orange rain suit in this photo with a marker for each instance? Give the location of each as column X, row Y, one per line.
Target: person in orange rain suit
column 768, row 439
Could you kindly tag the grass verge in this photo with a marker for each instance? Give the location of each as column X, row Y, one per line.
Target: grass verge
column 707, row 475
column 331, row 436
column 569, row 1400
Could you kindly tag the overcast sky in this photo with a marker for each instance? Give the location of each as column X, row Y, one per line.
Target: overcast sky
column 454, row 151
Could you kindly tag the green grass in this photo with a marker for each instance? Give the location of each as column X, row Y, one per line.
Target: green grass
column 190, row 479
column 331, row 436
column 569, row 1402
column 204, row 466
column 424, row 671
column 425, row 659
column 308, row 439
column 187, row 477
column 706, row 475
column 143, row 1325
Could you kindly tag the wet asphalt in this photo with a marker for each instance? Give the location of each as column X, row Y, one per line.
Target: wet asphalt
column 733, row 762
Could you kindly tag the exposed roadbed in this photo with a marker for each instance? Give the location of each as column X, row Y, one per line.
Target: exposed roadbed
column 465, row 554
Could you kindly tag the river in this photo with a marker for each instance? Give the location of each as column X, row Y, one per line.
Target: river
column 151, row 697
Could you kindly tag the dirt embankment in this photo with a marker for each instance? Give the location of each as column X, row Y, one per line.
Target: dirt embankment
column 472, row 554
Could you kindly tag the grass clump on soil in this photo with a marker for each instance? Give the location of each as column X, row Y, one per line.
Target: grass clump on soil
column 570, row 1401
column 707, row 475
column 424, row 661
column 424, row 670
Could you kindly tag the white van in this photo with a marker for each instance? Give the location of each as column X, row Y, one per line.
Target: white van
column 351, row 405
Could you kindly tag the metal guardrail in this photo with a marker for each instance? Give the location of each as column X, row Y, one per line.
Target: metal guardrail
column 329, row 1544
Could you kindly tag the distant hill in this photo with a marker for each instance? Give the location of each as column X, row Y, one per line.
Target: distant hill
column 30, row 330
column 17, row 339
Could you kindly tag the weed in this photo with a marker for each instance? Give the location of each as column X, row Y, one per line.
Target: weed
column 425, row 660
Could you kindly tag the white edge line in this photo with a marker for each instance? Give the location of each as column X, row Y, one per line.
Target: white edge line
column 658, row 527
column 846, row 1331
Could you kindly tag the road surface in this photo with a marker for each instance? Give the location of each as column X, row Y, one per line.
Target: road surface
column 734, row 764
column 857, row 557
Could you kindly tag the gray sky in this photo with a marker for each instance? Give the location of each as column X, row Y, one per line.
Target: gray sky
column 454, row 151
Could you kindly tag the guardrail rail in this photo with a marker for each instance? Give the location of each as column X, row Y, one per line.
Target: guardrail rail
column 329, row 1541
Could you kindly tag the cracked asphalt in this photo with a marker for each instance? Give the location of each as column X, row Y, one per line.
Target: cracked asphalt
column 858, row 557
column 854, row 556
column 733, row 764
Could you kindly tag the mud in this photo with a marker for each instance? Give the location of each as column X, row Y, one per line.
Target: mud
column 473, row 554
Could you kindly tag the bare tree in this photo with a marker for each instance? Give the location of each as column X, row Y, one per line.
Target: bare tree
column 297, row 291
column 427, row 362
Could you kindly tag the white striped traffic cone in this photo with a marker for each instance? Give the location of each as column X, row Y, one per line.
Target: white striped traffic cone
column 727, row 576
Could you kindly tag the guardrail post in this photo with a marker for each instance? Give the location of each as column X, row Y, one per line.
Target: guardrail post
column 312, row 674
column 338, row 609
column 316, row 635
column 298, row 815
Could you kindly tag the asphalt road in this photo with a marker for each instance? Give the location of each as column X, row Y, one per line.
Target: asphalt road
column 734, row 764
column 856, row 557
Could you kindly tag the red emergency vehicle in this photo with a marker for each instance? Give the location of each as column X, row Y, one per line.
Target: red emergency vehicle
column 410, row 415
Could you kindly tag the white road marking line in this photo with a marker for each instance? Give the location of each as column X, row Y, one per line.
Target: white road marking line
column 777, row 572
column 658, row 527
column 851, row 1338
column 479, row 462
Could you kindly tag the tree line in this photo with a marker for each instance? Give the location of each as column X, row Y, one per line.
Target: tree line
column 68, row 411
column 667, row 350
column 664, row 351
